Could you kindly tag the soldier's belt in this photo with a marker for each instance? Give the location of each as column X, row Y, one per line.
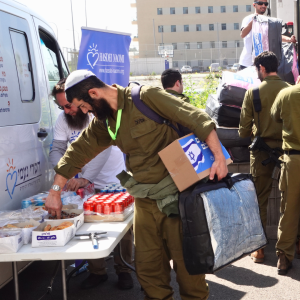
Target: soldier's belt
column 292, row 152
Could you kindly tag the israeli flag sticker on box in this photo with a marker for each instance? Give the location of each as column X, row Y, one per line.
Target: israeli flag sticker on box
column 189, row 160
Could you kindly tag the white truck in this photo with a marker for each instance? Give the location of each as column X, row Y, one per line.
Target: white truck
column 31, row 63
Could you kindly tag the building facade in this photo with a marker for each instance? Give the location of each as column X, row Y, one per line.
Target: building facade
column 201, row 32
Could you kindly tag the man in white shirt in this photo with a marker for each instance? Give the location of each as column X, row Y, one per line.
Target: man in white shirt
column 101, row 171
column 246, row 33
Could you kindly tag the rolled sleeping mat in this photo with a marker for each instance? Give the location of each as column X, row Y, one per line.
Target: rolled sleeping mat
column 229, row 137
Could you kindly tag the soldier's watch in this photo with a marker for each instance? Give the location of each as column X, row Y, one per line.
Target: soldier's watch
column 56, row 187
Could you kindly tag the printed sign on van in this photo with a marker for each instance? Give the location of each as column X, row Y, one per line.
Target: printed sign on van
column 22, row 177
column 106, row 54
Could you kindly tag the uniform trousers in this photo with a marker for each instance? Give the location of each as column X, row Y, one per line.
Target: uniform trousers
column 158, row 239
column 290, row 205
column 98, row 266
column 262, row 177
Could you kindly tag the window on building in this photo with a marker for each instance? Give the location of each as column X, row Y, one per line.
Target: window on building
column 213, row 61
column 199, row 45
column 174, row 46
column 212, row 45
column 172, row 10
column 197, row 10
column 211, row 27
column 159, row 11
column 198, row 27
column 225, row 62
column 223, row 26
column 186, row 28
column 235, row 8
column 185, row 10
column 237, row 44
column 210, row 9
column 161, row 44
column 236, row 26
column 200, row 63
column 188, row 63
column 224, row 44
column 187, row 45
column 173, row 28
column 160, row 28
column 175, row 64
column 223, row 9
column 248, row 8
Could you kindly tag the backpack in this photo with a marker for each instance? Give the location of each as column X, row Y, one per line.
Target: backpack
column 152, row 115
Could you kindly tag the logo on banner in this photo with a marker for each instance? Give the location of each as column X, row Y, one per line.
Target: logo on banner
column 92, row 55
column 257, row 43
column 11, row 178
column 193, row 153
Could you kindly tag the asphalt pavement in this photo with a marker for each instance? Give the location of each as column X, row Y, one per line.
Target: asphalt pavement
column 241, row 280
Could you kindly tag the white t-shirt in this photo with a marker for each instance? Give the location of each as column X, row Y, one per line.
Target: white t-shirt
column 246, row 55
column 104, row 167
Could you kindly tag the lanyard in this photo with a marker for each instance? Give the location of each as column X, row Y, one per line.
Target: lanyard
column 118, row 123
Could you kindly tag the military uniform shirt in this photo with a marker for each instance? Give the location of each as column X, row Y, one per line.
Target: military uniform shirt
column 286, row 109
column 268, row 91
column 181, row 96
column 138, row 137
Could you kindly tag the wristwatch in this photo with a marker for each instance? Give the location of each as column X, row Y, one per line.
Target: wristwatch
column 56, row 187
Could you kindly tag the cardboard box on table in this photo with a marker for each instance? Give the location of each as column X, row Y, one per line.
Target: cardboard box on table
column 189, row 160
column 78, row 221
column 55, row 238
column 11, row 244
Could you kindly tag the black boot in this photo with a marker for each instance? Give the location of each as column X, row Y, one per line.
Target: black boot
column 93, row 280
column 125, row 281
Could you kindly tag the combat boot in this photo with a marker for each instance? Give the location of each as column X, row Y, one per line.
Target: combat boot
column 297, row 255
column 258, row 256
column 283, row 264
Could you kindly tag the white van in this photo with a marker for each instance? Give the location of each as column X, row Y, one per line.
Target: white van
column 31, row 63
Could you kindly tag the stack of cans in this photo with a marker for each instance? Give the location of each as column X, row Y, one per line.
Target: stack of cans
column 113, row 188
column 106, row 203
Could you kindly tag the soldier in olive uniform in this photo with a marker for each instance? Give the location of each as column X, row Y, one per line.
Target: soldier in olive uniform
column 252, row 124
column 171, row 81
column 286, row 110
column 158, row 238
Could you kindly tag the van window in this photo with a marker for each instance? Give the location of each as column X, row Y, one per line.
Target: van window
column 23, row 64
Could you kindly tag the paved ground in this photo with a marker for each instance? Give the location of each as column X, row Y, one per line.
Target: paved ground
column 242, row 280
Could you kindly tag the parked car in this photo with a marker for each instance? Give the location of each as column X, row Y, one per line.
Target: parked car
column 228, row 67
column 235, row 67
column 215, row 67
column 31, row 63
column 197, row 69
column 186, row 69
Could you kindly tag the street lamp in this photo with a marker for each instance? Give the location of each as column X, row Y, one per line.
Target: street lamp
column 73, row 26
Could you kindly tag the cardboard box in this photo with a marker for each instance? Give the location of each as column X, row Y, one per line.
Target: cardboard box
column 57, row 238
column 11, row 244
column 188, row 160
column 78, row 221
column 27, row 232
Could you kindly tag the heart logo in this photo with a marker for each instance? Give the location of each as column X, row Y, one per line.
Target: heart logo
column 11, row 181
column 92, row 58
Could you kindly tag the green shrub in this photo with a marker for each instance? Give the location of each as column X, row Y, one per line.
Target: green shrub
column 207, row 86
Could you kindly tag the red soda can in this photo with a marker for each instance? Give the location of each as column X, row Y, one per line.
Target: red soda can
column 106, row 208
column 98, row 208
column 88, row 206
column 80, row 192
column 119, row 207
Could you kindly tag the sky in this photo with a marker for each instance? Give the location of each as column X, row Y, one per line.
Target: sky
column 103, row 14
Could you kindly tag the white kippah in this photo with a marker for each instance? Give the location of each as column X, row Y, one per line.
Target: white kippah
column 76, row 77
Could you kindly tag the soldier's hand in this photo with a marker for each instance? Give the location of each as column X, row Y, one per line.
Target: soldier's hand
column 53, row 204
column 293, row 39
column 298, row 80
column 75, row 183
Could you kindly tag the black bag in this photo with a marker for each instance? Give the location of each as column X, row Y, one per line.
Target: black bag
column 231, row 95
column 239, row 154
column 229, row 137
column 224, row 115
column 226, row 213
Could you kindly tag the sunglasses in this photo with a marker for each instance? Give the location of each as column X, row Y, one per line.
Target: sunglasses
column 262, row 3
column 67, row 106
